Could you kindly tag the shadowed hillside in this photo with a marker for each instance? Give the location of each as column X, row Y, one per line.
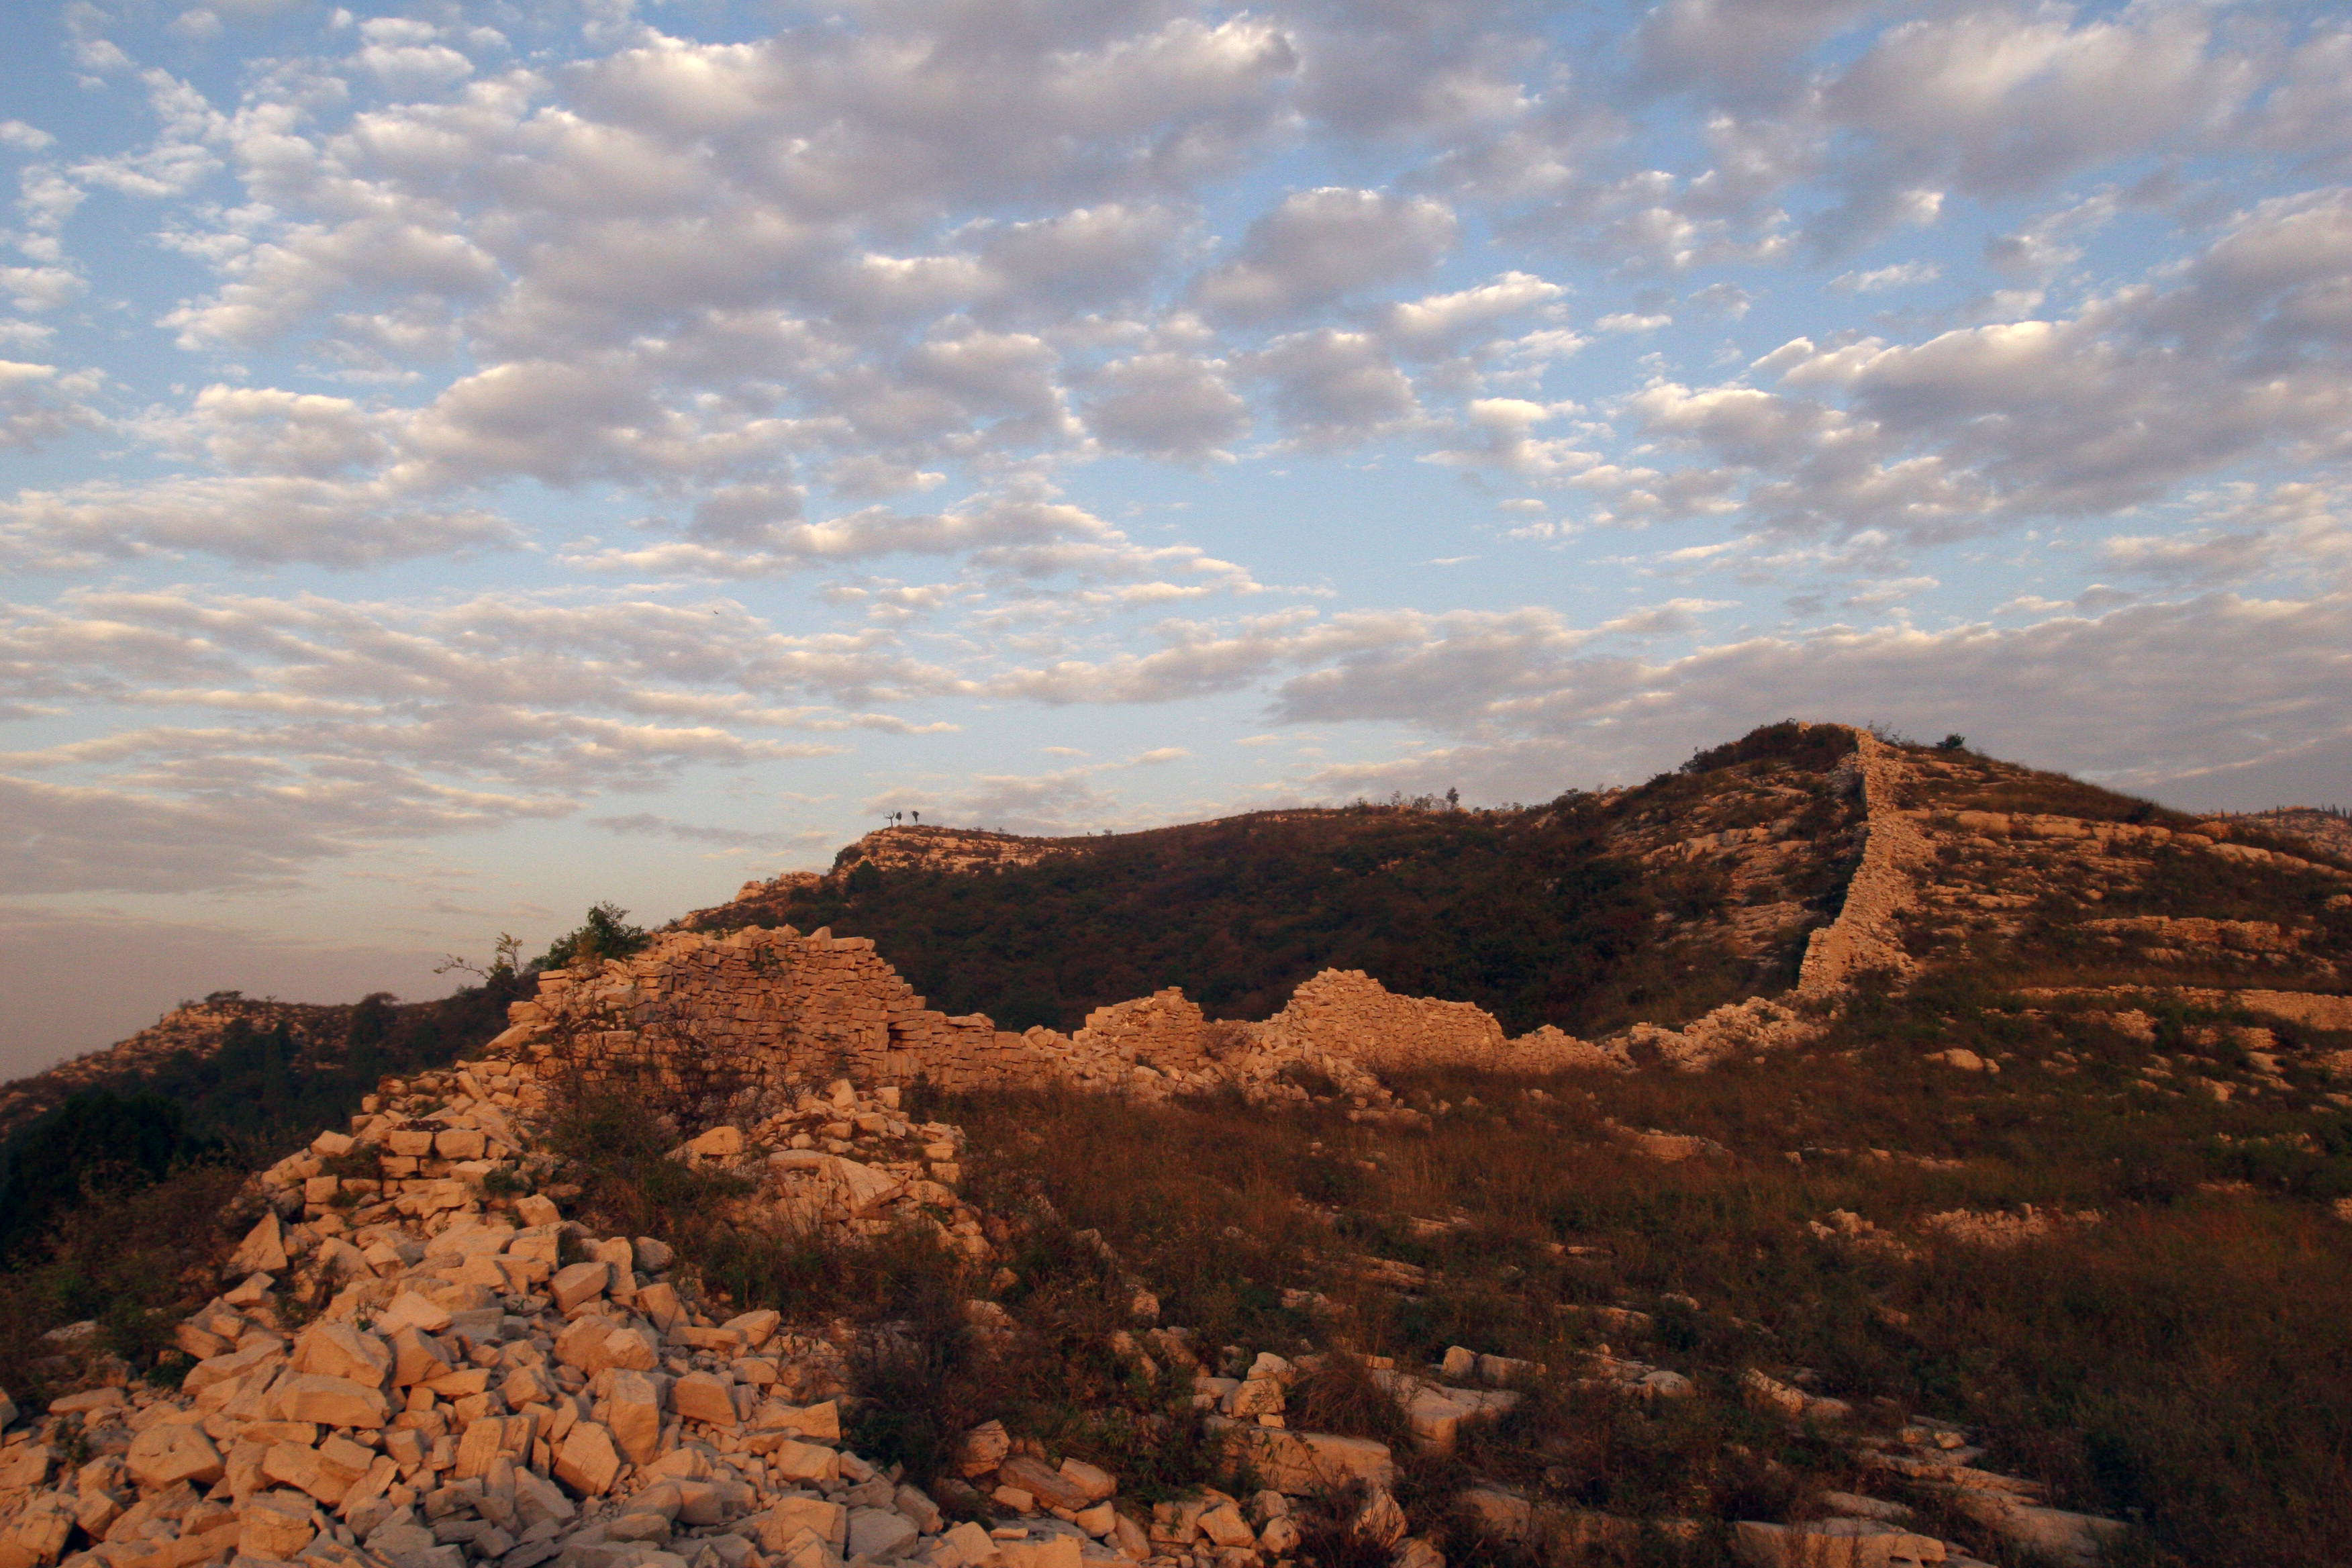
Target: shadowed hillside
column 1588, row 912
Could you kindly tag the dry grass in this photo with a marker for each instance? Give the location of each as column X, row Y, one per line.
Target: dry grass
column 2185, row 1363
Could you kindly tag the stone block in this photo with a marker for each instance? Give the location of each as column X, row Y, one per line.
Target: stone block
column 794, row 1461
column 580, row 1282
column 327, row 1473
column 588, row 1462
column 276, row 1526
column 701, row 1396
column 263, row 1250
column 1297, row 1463
column 163, row 1456
column 827, row 1521
column 879, row 1533
column 632, row 1406
column 1049, row 1486
column 340, row 1350
column 1832, row 1543
column 330, row 1401
column 1091, row 1480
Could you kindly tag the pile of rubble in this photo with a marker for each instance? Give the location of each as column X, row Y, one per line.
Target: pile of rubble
column 419, row 1363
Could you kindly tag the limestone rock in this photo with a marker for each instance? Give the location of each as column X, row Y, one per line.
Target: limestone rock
column 164, row 1456
column 330, row 1401
column 634, row 1407
column 1833, row 1543
column 588, row 1462
column 276, row 1526
column 701, row 1396
column 338, row 1350
column 263, row 1250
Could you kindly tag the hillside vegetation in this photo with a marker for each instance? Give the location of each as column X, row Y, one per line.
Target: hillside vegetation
column 2058, row 1203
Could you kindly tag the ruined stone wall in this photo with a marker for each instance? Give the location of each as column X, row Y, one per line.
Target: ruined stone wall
column 1165, row 1030
column 759, row 1008
column 1863, row 935
column 1347, row 1013
column 768, row 1007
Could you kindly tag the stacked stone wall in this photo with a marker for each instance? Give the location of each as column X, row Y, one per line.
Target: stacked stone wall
column 1165, row 1030
column 767, row 1009
column 1863, row 935
column 763, row 1008
column 1347, row 1013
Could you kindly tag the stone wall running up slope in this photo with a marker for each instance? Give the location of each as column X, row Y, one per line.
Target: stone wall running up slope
column 1862, row 936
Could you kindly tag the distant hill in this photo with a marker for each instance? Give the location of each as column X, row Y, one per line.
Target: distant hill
column 246, row 1067
column 2323, row 827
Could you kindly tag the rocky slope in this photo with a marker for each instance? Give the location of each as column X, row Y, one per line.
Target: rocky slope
column 1437, row 1289
column 427, row 1365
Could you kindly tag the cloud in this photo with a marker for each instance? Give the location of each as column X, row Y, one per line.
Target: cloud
column 647, row 825
column 39, row 405
column 2242, row 350
column 328, row 726
column 1901, row 275
column 1443, row 323
column 261, row 518
column 1321, row 245
column 2126, row 697
column 1174, row 406
column 1333, row 388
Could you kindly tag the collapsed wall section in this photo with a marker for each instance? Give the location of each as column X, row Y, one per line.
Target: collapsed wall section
column 759, row 1007
column 764, row 1009
column 1348, row 1014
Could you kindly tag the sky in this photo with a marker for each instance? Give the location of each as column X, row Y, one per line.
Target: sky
column 465, row 461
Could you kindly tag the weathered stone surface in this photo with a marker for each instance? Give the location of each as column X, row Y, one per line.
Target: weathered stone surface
column 803, row 1462
column 276, row 1526
column 411, row 1310
column 827, row 1521
column 327, row 1472
column 1225, row 1526
column 340, row 1350
column 878, row 1533
column 1043, row 1482
column 164, row 1456
column 2054, row 1534
column 702, row 1396
column 718, row 1143
column 1047, row 1551
column 580, row 1282
column 588, row 1461
column 1093, row 1482
column 1301, row 1462
column 416, row 1358
column 983, row 1448
column 330, row 1401
column 263, row 1250
column 634, row 1407
column 231, row 1364
column 1833, row 1543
